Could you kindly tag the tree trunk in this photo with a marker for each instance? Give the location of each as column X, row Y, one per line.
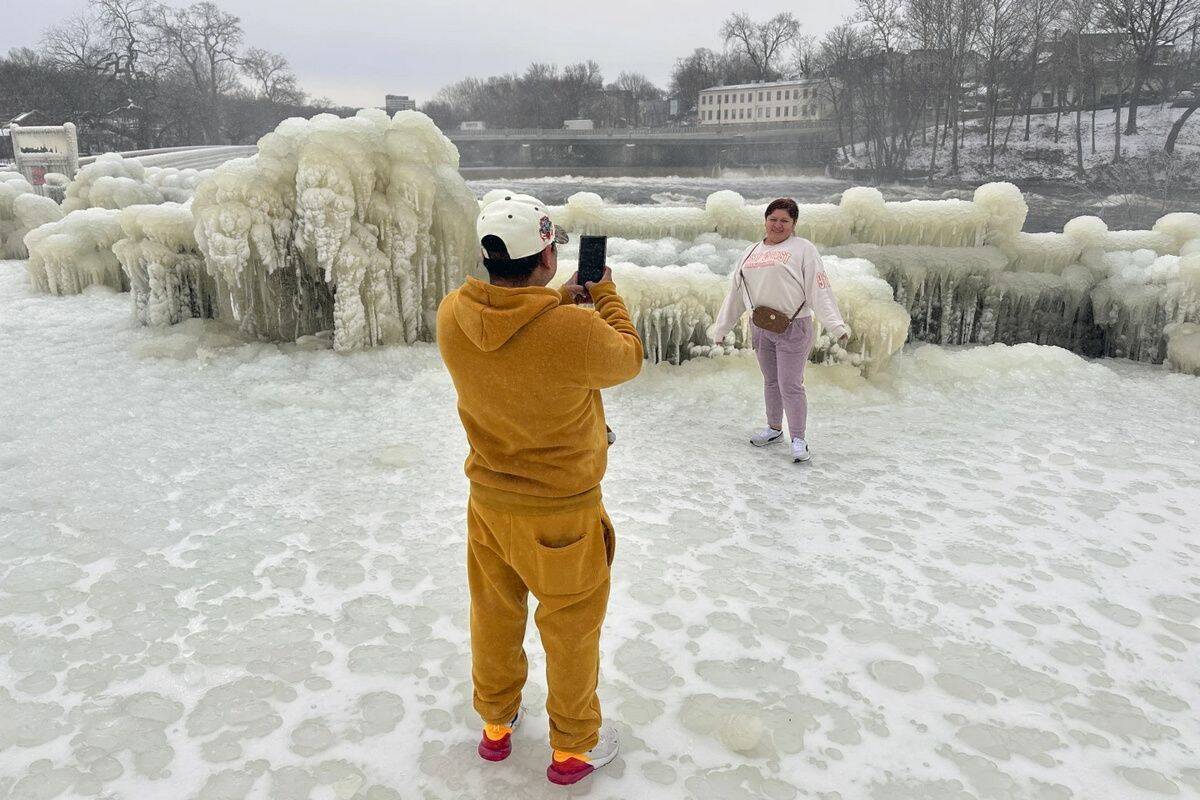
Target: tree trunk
column 1178, row 126
column 933, row 151
column 1117, row 130
column 1079, row 138
column 1057, row 114
column 1135, row 96
column 1093, row 128
column 1008, row 133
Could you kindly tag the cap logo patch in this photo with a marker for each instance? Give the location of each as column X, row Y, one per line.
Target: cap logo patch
column 546, row 229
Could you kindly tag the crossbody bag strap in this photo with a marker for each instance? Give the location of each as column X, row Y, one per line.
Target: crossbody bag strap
column 746, row 287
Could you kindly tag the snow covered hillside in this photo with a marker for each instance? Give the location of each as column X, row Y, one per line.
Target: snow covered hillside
column 235, row 570
column 1041, row 158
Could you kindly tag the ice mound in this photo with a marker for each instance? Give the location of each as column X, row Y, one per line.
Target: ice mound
column 76, row 252
column 1183, row 347
column 962, row 268
column 111, row 181
column 357, row 225
column 165, row 268
column 674, row 306
column 21, row 210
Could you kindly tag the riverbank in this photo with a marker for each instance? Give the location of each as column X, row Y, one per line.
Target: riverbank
column 1048, row 158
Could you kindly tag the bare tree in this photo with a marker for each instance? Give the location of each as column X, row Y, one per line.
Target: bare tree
column 641, row 87
column 1149, row 24
column 76, row 43
column 1038, row 17
column 205, row 41
column 1179, row 123
column 840, row 47
column 805, row 59
column 272, row 76
column 695, row 72
column 762, row 43
column 1001, row 38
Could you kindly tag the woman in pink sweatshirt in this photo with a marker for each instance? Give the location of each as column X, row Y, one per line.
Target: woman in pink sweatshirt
column 783, row 272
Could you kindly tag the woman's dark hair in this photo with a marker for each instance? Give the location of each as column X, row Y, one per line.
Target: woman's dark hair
column 499, row 265
column 787, row 204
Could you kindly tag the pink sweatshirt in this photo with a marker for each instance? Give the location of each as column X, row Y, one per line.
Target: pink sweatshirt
column 784, row 276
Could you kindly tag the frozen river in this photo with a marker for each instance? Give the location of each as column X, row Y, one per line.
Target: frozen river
column 235, row 570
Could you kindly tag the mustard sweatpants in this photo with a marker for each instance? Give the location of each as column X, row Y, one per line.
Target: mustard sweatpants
column 563, row 557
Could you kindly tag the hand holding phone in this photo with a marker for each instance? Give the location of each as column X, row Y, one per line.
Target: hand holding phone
column 593, row 251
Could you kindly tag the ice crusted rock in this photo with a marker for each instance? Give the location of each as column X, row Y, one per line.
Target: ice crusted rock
column 75, row 252
column 165, row 268
column 1183, row 347
column 358, row 225
column 21, row 210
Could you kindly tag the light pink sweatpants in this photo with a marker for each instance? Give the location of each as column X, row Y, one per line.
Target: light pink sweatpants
column 782, row 358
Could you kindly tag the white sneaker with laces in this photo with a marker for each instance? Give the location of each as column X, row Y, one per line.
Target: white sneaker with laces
column 800, row 451
column 567, row 768
column 766, row 436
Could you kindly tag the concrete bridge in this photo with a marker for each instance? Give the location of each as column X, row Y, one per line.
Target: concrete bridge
column 804, row 145
column 800, row 145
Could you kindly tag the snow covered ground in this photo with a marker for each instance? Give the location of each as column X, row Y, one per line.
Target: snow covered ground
column 235, row 570
column 1041, row 158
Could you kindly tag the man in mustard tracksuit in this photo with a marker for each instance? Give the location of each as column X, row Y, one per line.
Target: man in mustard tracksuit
column 528, row 365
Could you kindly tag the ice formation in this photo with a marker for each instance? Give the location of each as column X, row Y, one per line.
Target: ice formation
column 1183, row 347
column 21, row 210
column 113, row 181
column 675, row 306
column 165, row 268
column 358, row 225
column 964, row 269
column 75, row 252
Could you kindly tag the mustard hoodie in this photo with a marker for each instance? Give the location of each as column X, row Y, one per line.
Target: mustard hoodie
column 528, row 366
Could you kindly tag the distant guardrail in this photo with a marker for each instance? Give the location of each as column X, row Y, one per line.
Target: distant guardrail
column 672, row 131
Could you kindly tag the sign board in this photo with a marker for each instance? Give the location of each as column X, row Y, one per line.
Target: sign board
column 47, row 148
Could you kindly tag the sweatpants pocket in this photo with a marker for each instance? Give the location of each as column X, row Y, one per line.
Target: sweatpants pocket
column 565, row 553
column 610, row 537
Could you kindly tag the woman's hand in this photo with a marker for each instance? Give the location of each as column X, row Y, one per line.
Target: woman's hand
column 844, row 339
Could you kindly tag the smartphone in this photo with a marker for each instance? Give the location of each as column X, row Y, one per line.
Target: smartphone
column 592, row 253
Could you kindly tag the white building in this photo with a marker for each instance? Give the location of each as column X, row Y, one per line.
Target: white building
column 781, row 101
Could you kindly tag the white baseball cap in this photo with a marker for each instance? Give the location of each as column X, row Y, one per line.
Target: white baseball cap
column 520, row 221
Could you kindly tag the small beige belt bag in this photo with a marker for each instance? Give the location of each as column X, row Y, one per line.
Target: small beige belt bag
column 765, row 317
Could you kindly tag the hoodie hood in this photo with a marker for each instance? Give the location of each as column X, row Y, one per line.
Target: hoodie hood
column 490, row 315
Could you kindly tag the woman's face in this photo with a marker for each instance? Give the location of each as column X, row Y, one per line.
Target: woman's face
column 779, row 225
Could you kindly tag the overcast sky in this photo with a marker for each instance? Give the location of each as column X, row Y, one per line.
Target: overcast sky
column 356, row 51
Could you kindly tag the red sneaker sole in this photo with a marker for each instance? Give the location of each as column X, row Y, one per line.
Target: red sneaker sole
column 561, row 778
column 494, row 753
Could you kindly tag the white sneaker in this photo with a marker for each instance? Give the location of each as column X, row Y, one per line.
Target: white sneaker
column 567, row 768
column 765, row 437
column 800, row 451
column 612, row 435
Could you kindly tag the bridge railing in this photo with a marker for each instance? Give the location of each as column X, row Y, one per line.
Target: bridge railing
column 669, row 130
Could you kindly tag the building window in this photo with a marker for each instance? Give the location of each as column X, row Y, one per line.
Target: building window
column 760, row 95
column 760, row 112
column 768, row 113
column 795, row 111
